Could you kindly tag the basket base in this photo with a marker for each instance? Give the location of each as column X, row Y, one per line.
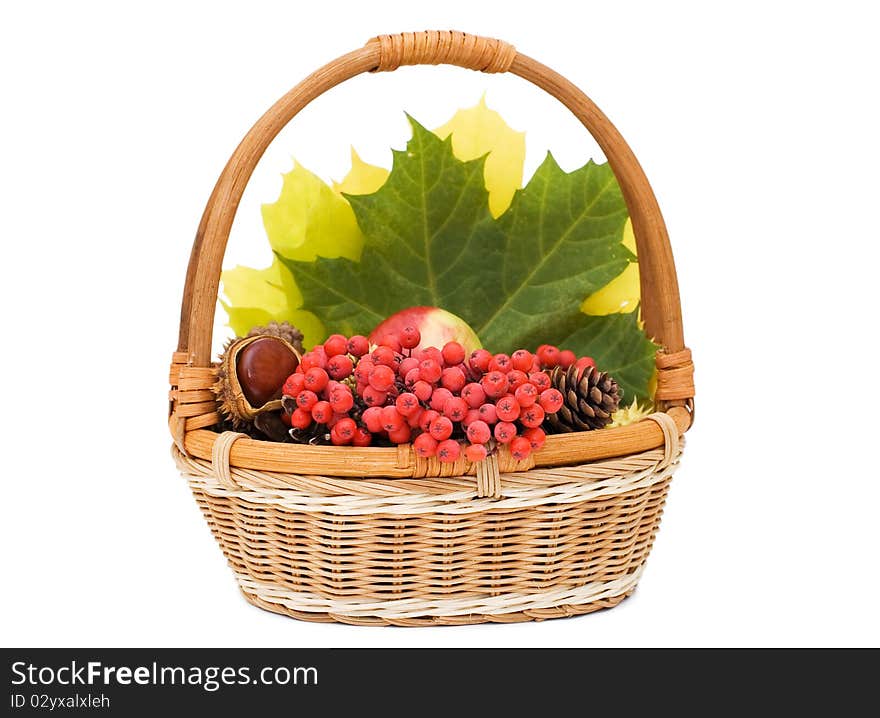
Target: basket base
column 614, row 593
column 536, row 615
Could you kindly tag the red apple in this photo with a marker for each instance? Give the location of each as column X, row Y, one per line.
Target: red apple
column 437, row 326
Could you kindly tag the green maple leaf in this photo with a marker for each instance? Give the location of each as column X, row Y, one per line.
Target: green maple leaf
column 563, row 241
column 619, row 347
column 429, row 239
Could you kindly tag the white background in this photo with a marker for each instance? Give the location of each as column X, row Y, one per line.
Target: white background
column 757, row 124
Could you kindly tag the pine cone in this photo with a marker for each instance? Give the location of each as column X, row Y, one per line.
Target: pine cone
column 589, row 400
column 285, row 330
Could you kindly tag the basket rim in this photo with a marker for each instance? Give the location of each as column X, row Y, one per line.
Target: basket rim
column 401, row 462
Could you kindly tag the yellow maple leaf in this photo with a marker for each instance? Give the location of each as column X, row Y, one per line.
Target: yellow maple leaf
column 362, row 178
column 621, row 294
column 478, row 130
column 310, row 219
column 255, row 297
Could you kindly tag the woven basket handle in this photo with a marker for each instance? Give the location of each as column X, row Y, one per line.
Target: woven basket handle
column 661, row 309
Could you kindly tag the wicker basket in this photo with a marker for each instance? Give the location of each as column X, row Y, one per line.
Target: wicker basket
column 380, row 536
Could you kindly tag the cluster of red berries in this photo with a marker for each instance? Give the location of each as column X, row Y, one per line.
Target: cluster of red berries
column 437, row 399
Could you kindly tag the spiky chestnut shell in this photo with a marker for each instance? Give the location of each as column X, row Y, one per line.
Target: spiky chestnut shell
column 250, row 375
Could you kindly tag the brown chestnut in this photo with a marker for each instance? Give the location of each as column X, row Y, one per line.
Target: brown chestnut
column 261, row 367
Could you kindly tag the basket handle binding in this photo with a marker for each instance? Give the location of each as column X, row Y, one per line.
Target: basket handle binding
column 660, row 303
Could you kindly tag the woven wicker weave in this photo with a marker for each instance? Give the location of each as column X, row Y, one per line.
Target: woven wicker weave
column 380, row 536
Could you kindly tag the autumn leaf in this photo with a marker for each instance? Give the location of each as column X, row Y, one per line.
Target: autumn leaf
column 563, row 237
column 362, row 178
column 620, row 347
column 621, row 294
column 480, row 132
column 307, row 220
column 254, row 297
column 429, row 240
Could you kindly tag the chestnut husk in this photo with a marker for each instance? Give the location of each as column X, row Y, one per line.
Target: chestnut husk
column 231, row 396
